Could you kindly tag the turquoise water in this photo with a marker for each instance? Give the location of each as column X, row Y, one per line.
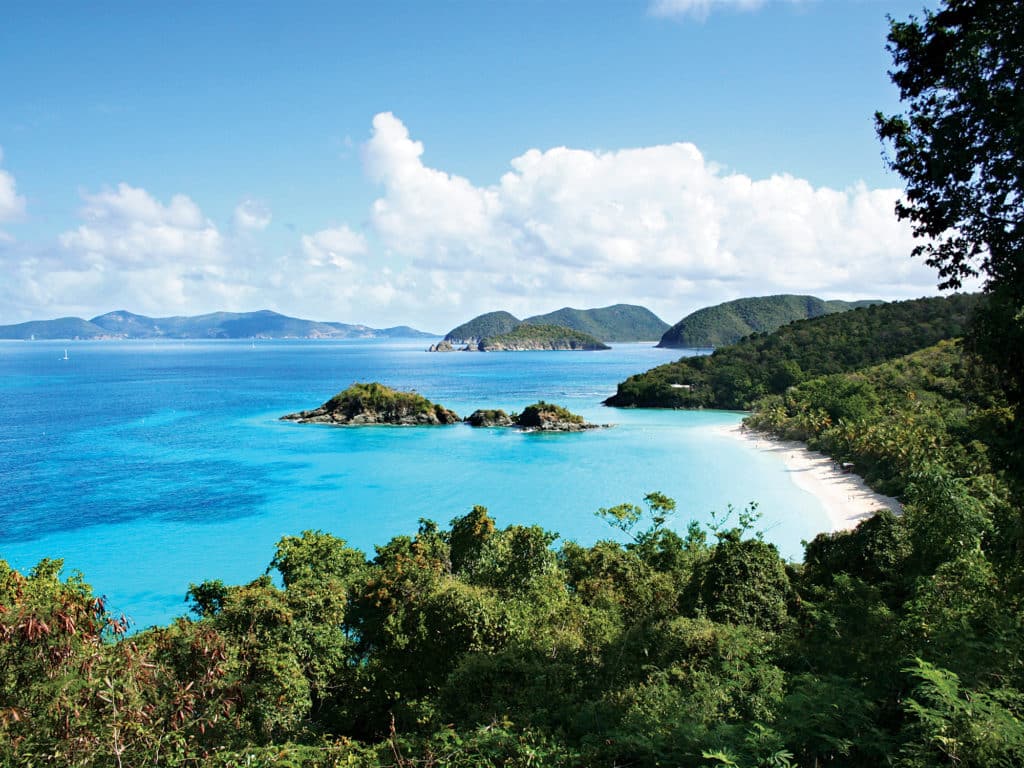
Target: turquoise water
column 148, row 466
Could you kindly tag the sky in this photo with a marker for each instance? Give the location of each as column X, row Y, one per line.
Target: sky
column 420, row 163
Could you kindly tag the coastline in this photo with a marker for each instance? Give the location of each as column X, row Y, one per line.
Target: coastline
column 845, row 496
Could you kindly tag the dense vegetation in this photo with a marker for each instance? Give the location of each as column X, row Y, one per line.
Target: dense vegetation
column 735, row 376
column 864, row 417
column 482, row 326
column 959, row 146
column 621, row 322
column 729, row 322
column 541, row 414
column 526, row 336
column 375, row 403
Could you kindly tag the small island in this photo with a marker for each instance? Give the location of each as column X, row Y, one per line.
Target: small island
column 489, row 417
column 541, row 337
column 528, row 337
column 374, row 403
column 539, row 417
column 548, row 417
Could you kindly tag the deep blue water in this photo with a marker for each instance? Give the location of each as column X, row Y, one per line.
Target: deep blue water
column 148, row 466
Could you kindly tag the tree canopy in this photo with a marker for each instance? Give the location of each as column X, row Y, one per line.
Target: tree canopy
column 958, row 145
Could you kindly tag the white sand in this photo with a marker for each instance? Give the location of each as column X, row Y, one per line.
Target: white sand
column 845, row 497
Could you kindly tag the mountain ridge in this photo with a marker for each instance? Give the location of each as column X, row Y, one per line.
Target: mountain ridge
column 264, row 323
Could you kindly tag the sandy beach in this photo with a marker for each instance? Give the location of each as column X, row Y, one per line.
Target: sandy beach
column 845, row 497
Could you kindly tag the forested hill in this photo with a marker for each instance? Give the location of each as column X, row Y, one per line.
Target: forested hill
column 729, row 322
column 482, row 326
column 620, row 322
column 761, row 364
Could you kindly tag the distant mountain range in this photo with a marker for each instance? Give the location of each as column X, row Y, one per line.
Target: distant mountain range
column 621, row 322
column 729, row 322
column 263, row 324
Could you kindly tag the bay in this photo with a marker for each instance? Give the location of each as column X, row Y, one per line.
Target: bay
column 148, row 465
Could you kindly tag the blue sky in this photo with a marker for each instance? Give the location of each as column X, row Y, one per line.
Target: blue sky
column 421, row 162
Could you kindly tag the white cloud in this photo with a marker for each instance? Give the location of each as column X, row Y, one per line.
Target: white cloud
column 252, row 216
column 133, row 251
column 658, row 225
column 12, row 205
column 126, row 228
column 699, row 9
column 334, row 247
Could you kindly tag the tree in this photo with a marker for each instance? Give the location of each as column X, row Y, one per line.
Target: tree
column 958, row 146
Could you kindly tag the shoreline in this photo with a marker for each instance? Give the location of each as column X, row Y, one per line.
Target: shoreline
column 845, row 496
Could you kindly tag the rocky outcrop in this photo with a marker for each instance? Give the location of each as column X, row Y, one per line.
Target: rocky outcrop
column 489, row 418
column 548, row 417
column 442, row 346
column 367, row 404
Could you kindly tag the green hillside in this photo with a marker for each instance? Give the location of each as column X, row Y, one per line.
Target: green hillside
column 736, row 375
column 620, row 322
column 729, row 322
column 482, row 326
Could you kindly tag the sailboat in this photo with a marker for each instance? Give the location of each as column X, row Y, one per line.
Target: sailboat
column 65, row 355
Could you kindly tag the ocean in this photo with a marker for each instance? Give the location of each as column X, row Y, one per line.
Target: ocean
column 147, row 466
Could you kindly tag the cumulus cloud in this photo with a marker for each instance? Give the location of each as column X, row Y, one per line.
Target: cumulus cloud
column 12, row 205
column 252, row 216
column 134, row 251
column 334, row 247
column 128, row 228
column 700, row 9
column 659, row 225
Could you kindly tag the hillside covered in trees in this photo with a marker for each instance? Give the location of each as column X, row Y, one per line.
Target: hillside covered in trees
column 617, row 323
column 729, row 322
column 737, row 375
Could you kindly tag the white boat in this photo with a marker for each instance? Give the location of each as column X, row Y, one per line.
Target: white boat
column 65, row 355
